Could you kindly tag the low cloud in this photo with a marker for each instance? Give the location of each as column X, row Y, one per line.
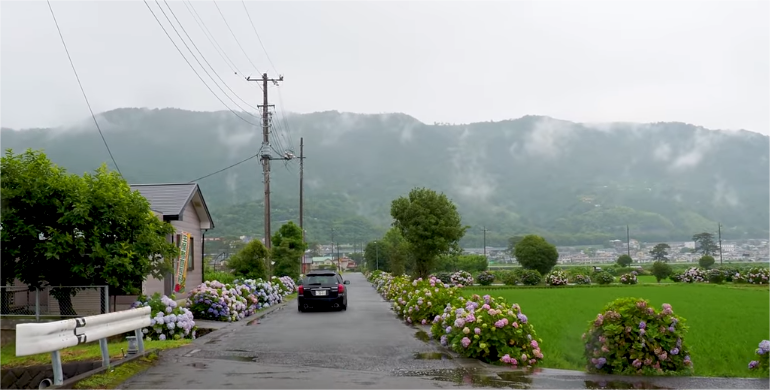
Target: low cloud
column 470, row 180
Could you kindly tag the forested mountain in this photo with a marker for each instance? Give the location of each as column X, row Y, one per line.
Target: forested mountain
column 573, row 183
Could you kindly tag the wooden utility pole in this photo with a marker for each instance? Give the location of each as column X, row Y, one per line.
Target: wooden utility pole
column 266, row 155
column 719, row 226
column 485, row 241
column 301, row 193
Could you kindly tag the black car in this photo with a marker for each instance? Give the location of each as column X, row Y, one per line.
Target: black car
column 322, row 288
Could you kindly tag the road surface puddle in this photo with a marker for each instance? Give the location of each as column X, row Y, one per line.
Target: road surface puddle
column 244, row 359
column 422, row 336
column 621, row 385
column 432, row 356
column 253, row 322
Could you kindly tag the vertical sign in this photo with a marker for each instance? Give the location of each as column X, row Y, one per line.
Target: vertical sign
column 181, row 272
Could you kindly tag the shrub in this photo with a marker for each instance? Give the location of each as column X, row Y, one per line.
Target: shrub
column 510, row 278
column 488, row 329
column 761, row 364
column 427, row 300
column 260, row 293
column 631, row 338
column 729, row 273
column 706, row 261
column 445, row 277
column 604, row 278
column 168, row 320
column 753, row 276
column 692, row 275
column 624, row 260
column 530, row 277
column 222, row 276
column 581, row 279
column 628, row 278
column 462, row 278
column 216, row 301
column 716, row 276
column 485, row 278
column 557, row 278
column 574, row 271
column 661, row 270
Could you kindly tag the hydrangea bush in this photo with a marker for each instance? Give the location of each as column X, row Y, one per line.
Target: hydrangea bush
column 692, row 275
column 604, row 277
column 427, row 299
column 485, row 278
column 763, row 353
column 557, row 278
column 631, row 338
column 169, row 321
column 753, row 276
column 629, row 278
column 217, row 301
column 488, row 329
column 581, row 279
column 530, row 277
column 462, row 278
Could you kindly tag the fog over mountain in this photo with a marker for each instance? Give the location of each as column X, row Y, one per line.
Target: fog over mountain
column 573, row 183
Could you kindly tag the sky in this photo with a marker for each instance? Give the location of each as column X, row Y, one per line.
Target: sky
column 705, row 63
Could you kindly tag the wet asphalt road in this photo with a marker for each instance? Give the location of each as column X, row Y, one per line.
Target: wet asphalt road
column 363, row 347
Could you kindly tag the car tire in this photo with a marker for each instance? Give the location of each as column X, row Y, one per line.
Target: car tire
column 299, row 308
column 344, row 307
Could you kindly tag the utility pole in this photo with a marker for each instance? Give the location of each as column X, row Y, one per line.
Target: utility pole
column 628, row 241
column 332, row 243
column 301, row 193
column 485, row 241
column 266, row 155
column 339, row 264
column 719, row 226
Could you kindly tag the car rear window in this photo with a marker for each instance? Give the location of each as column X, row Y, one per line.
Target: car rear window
column 321, row 279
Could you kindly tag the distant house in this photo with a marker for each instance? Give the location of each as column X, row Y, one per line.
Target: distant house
column 183, row 206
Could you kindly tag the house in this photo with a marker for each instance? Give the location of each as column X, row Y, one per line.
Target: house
column 183, row 206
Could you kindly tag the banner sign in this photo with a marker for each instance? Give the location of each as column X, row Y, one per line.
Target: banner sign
column 181, row 272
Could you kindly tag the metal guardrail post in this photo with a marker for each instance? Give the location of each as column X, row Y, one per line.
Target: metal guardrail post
column 37, row 305
column 139, row 340
column 105, row 353
column 58, row 377
column 107, row 298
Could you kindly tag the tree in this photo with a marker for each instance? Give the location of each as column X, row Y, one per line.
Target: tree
column 61, row 229
column 287, row 250
column 357, row 257
column 314, row 249
column 660, row 252
column 376, row 256
column 661, row 270
column 706, row 261
column 430, row 224
column 704, row 243
column 534, row 252
column 397, row 252
column 249, row 262
column 624, row 260
column 512, row 243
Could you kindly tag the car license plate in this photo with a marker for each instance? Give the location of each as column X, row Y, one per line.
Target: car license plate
column 320, row 292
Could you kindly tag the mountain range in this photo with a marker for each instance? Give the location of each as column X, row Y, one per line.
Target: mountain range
column 573, row 183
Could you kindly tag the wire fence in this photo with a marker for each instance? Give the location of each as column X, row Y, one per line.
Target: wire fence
column 59, row 301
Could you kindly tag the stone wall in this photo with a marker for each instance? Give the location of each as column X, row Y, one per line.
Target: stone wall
column 30, row 377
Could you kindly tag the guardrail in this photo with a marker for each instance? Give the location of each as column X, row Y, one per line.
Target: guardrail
column 54, row 336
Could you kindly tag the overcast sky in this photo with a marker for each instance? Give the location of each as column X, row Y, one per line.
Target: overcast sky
column 706, row 63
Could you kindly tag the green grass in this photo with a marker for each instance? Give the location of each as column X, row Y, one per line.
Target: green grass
column 726, row 323
column 83, row 352
column 111, row 379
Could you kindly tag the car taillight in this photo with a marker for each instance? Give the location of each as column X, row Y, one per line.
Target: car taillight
column 301, row 290
column 340, row 288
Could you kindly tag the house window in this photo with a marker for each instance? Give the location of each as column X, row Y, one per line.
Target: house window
column 191, row 255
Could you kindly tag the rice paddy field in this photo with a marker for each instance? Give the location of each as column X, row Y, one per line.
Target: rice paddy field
column 726, row 322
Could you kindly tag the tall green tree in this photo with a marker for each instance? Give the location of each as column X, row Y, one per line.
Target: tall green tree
column 512, row 243
column 706, row 261
column 704, row 244
column 624, row 260
column 660, row 252
column 397, row 250
column 430, row 223
column 249, row 262
column 534, row 252
column 288, row 249
column 376, row 256
column 60, row 229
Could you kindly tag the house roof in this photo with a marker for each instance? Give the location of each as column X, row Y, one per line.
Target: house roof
column 171, row 199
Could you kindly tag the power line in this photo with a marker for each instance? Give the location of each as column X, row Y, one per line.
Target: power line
column 234, row 37
column 226, row 168
column 201, row 54
column 257, row 34
column 72, row 64
column 192, row 67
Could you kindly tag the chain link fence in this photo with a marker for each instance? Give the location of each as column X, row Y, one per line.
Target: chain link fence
column 59, row 301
